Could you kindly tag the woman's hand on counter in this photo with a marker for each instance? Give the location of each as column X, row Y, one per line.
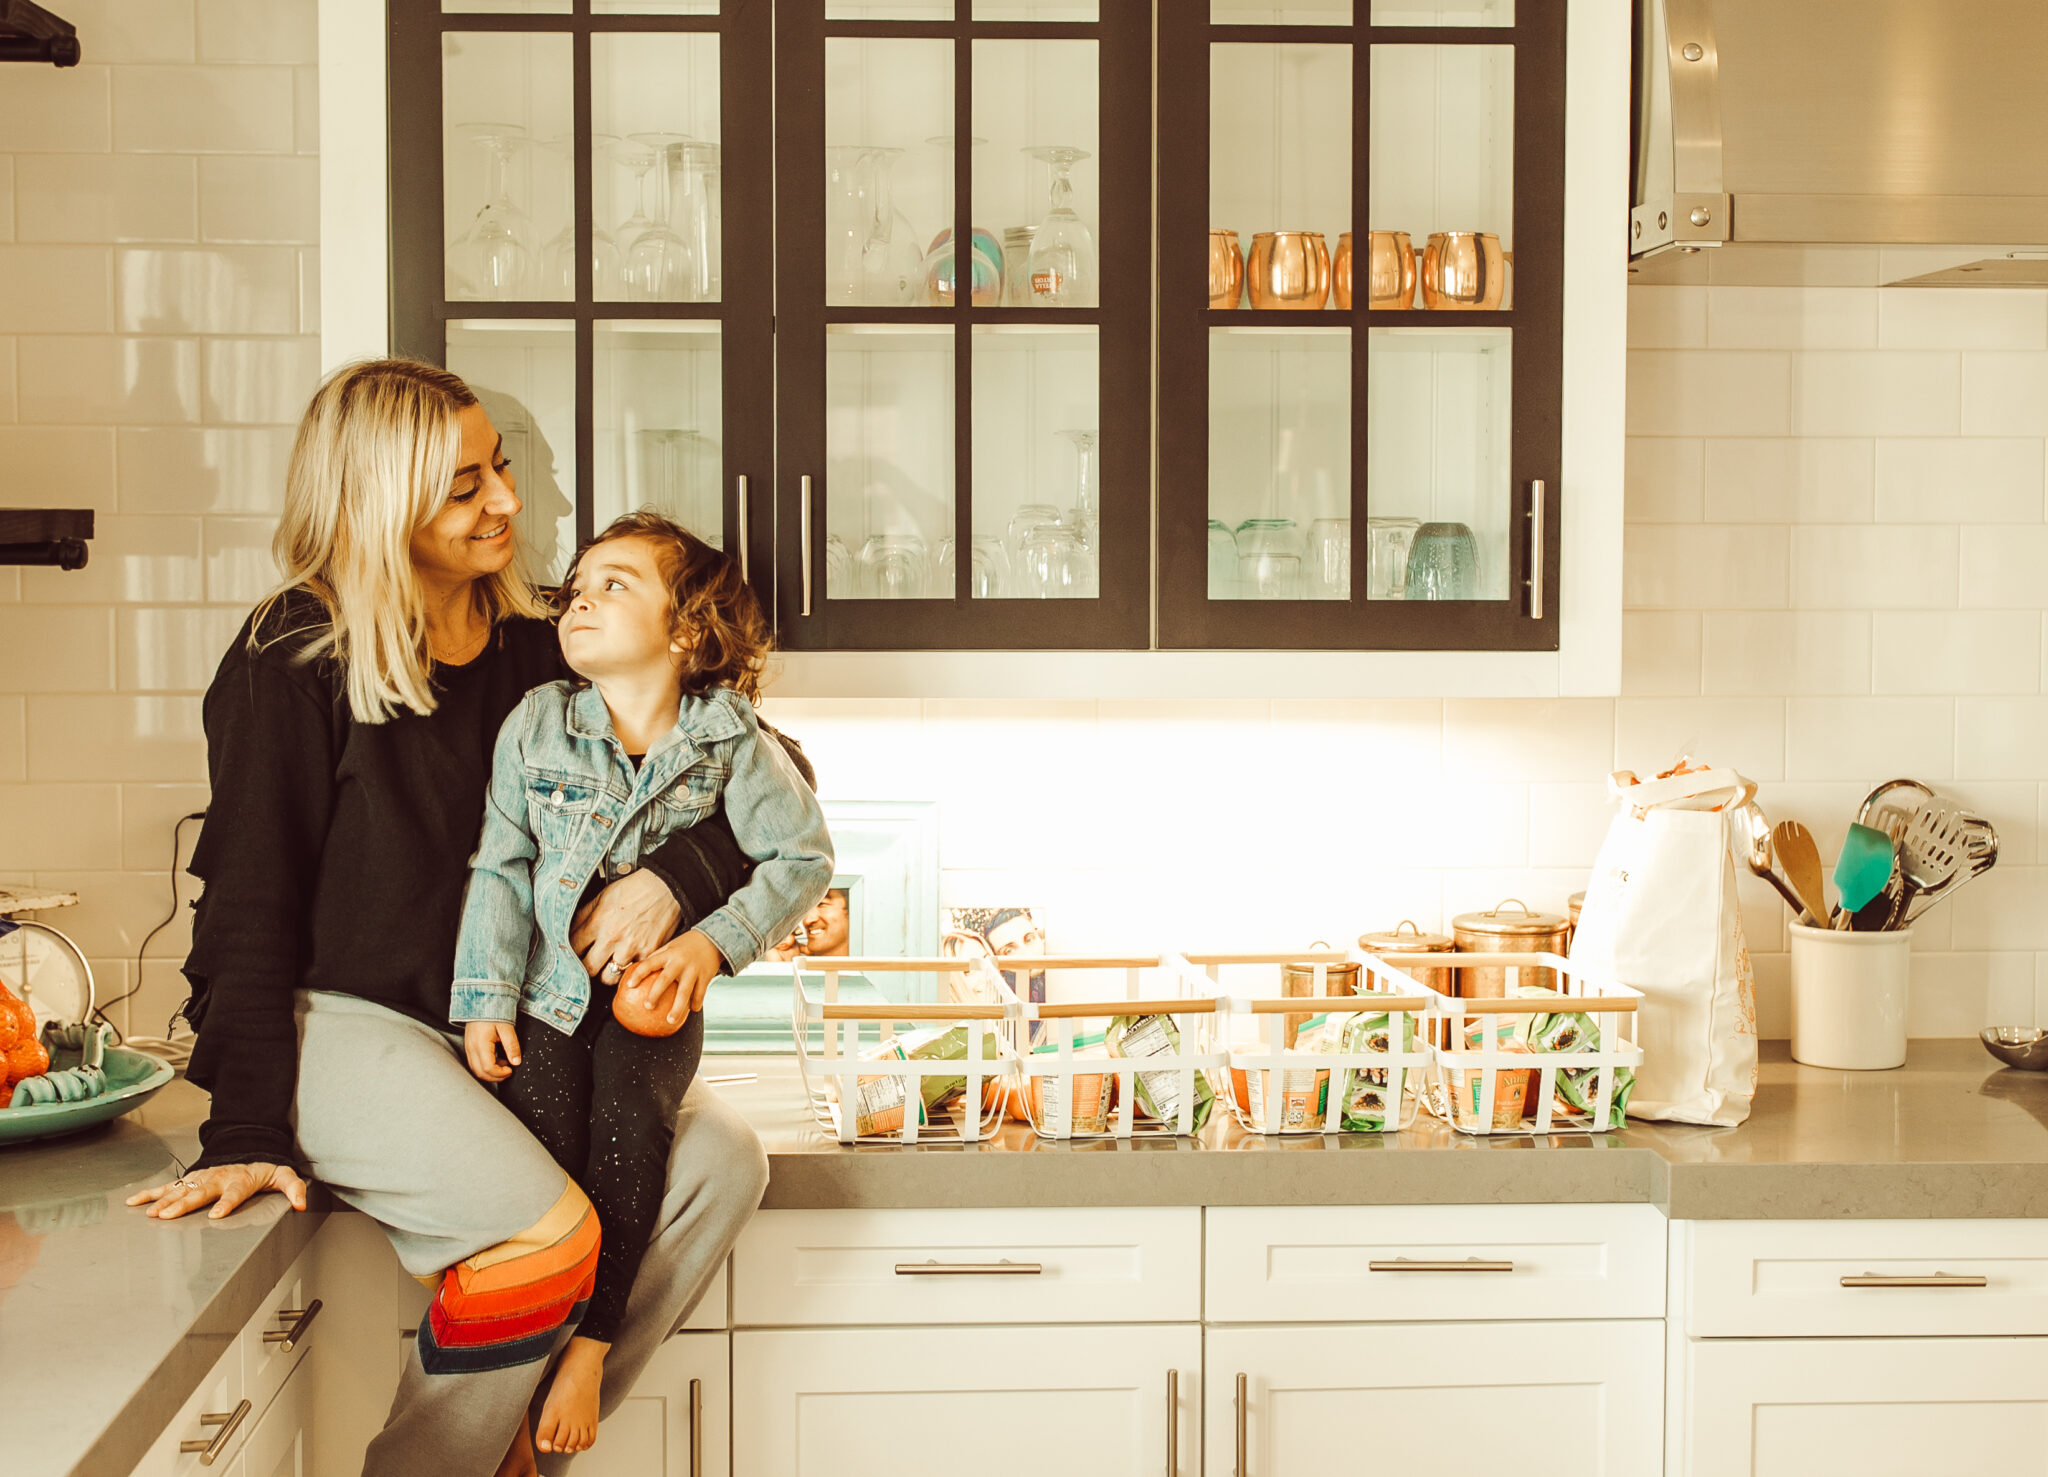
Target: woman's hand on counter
column 626, row 922
column 224, row 1187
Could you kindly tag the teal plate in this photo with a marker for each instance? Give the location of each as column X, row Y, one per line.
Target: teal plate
column 133, row 1078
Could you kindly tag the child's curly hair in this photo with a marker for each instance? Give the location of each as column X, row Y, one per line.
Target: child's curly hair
column 713, row 614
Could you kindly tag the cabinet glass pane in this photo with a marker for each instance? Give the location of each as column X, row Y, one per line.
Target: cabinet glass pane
column 507, row 183
column 1279, row 463
column 1037, row 181
column 658, row 410
column 889, row 405
column 889, row 10
column 1037, row 10
column 524, row 374
column 655, row 193
column 654, row 7
column 1280, row 12
column 1037, row 464
column 505, row 7
column 1438, row 471
column 1443, row 145
column 1280, row 162
column 889, row 172
column 1443, row 13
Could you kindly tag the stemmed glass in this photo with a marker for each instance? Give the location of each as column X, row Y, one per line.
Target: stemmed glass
column 558, row 256
column 657, row 263
column 1062, row 267
column 668, row 462
column 494, row 258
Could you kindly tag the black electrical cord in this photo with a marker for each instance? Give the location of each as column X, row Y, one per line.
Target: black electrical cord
column 177, row 850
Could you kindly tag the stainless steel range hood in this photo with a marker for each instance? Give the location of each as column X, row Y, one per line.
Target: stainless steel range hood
column 1826, row 123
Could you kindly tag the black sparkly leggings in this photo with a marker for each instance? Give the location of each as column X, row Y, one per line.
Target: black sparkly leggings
column 604, row 1103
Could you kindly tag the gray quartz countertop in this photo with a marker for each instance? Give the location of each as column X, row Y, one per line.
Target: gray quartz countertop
column 109, row 1320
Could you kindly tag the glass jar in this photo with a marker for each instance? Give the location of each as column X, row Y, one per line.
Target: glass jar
column 1387, row 543
column 1222, row 561
column 1269, row 558
column 1443, row 563
column 1016, row 264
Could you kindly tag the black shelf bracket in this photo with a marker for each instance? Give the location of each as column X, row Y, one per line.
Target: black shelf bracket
column 29, row 33
column 45, row 536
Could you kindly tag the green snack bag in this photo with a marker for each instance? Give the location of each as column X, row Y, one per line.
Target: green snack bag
column 1562, row 1032
column 1158, row 1092
column 1581, row 1092
column 946, row 1044
column 1368, row 1105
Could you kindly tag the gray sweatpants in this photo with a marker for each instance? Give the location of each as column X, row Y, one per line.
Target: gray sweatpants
column 389, row 1119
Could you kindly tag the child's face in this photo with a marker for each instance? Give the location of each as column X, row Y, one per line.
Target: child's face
column 615, row 613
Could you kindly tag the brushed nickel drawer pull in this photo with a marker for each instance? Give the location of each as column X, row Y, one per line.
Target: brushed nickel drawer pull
column 745, row 575
column 1241, row 1469
column 1004, row 1268
column 803, row 524
column 288, row 1339
column 1928, row 1279
column 1173, row 1423
column 1409, row 1264
column 696, row 1428
column 228, row 1423
column 1535, row 551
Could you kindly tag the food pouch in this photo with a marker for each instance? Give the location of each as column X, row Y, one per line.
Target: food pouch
column 1091, row 1092
column 1510, row 1088
column 946, row 1044
column 1367, row 1091
column 1295, row 1097
column 1579, row 1093
column 879, row 1101
column 1159, row 1092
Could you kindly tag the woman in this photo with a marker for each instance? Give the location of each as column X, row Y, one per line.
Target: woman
column 349, row 738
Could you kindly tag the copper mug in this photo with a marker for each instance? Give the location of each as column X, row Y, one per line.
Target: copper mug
column 1226, row 269
column 1390, row 270
column 1463, row 270
column 1288, row 269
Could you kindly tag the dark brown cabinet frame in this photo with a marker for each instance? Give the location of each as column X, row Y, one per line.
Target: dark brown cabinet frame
column 1121, row 617
column 1187, row 617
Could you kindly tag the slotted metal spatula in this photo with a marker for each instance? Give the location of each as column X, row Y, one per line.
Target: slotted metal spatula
column 1933, row 851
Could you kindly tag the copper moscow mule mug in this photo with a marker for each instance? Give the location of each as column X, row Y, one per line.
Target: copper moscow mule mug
column 1463, row 270
column 1288, row 269
column 1390, row 270
column 1226, row 269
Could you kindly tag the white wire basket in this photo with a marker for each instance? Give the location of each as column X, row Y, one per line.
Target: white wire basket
column 1369, row 1081
column 905, row 1092
column 1560, row 1061
column 1163, row 1076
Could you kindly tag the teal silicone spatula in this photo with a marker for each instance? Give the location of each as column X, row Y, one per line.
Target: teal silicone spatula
column 1863, row 870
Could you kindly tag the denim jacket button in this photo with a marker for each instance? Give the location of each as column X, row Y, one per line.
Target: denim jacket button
column 568, row 882
column 556, row 798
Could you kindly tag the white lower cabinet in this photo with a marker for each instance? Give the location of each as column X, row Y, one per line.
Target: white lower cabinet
column 1084, row 1400
column 1895, row 1407
column 282, row 1443
column 678, row 1420
column 1308, row 1400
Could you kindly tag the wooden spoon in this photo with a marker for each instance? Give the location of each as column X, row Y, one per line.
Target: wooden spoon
column 1799, row 858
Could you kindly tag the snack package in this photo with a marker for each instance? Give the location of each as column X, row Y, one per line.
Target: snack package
column 1158, row 1092
column 879, row 1102
column 947, row 1044
column 1092, row 1093
column 1578, row 1093
column 1511, row 1088
column 1368, row 1105
column 1290, row 1097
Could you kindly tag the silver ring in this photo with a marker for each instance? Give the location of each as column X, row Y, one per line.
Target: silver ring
column 610, row 973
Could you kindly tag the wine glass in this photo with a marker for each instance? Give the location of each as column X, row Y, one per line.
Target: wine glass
column 988, row 573
column 1026, row 518
column 657, row 265
column 494, row 258
column 893, row 566
column 669, row 460
column 1053, row 565
column 1086, row 514
column 1063, row 269
column 839, row 577
column 558, row 256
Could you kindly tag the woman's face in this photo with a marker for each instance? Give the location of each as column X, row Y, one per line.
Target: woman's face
column 471, row 536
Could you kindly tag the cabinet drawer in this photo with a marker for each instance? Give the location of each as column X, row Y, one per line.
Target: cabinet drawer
column 1434, row 1263
column 282, row 1320
column 1788, row 1279
column 795, row 1267
column 218, row 1408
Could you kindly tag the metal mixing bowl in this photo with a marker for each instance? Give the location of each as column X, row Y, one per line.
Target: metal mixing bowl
column 2017, row 1046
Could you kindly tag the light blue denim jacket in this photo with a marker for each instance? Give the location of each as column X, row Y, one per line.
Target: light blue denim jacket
column 565, row 801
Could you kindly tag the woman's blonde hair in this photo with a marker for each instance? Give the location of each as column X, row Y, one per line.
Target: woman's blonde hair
column 373, row 461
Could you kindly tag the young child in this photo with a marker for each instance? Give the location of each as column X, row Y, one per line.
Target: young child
column 588, row 776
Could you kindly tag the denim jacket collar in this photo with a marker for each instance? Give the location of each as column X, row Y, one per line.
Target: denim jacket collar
column 706, row 718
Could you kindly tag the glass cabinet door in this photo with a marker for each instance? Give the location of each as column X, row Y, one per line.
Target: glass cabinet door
column 1360, row 323
column 581, row 221
column 951, row 473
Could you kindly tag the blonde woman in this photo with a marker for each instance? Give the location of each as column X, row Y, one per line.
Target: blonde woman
column 349, row 740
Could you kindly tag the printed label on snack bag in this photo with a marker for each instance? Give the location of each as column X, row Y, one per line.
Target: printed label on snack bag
column 1153, row 1035
column 878, row 1105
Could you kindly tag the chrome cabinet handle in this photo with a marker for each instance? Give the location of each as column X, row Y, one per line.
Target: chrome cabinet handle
column 288, row 1339
column 1005, row 1268
column 1930, row 1279
column 745, row 561
column 696, row 1428
column 1470, row 1264
column 1242, row 1464
column 1535, row 551
column 209, row 1450
column 1173, row 1423
column 803, row 518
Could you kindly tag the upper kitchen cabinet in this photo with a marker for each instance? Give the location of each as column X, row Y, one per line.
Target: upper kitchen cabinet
column 581, row 227
column 964, row 432
column 1361, row 324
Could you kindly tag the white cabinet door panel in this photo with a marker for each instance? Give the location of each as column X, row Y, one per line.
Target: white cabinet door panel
column 678, row 1420
column 1585, row 1398
column 1085, row 1401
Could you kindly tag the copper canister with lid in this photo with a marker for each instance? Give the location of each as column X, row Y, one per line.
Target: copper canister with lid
column 1509, row 927
column 1340, row 977
column 1406, row 938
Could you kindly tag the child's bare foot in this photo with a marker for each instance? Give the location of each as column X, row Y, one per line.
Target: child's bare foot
column 518, row 1460
column 568, row 1419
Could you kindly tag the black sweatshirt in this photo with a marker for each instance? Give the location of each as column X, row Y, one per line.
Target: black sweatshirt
column 335, row 854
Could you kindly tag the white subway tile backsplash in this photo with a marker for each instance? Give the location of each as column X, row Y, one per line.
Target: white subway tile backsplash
column 135, row 561
column 1338, row 737
column 1961, row 318
column 1890, row 394
column 133, row 30
column 6, row 197
column 306, row 110
column 1960, row 994
column 97, row 381
column 1771, row 318
column 1703, row 393
column 1773, row 995
column 13, row 738
column 106, row 197
column 1831, row 737
column 260, row 381
column 260, row 198
column 236, row 289
column 55, row 289
column 115, row 912
column 1662, row 479
column 1804, row 651
column 96, row 738
column 2006, row 908
column 1957, row 651
column 1867, row 568
column 59, row 825
column 2003, row 568
column 2002, row 738
column 258, row 30
column 2013, row 806
column 309, row 290
column 239, row 567
column 2005, row 395
column 1567, row 823
column 216, row 469
column 10, row 401
column 56, row 110
column 1704, row 566
column 1660, row 653
column 148, row 814
column 57, row 648
column 172, row 648
column 1960, row 480
column 1667, row 318
column 1510, row 739
column 1652, row 734
column 42, row 466
column 1781, row 480
column 203, row 110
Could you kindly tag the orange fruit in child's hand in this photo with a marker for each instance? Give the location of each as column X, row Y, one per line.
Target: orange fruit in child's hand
column 650, row 1019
